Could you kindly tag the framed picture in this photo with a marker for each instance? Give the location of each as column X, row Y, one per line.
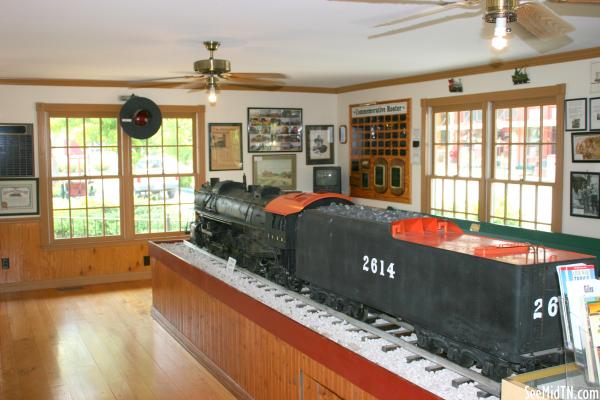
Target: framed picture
column 595, row 114
column 585, row 147
column 274, row 130
column 225, row 146
column 576, row 114
column 19, row 196
column 319, row 144
column 343, row 134
column 585, row 201
column 275, row 170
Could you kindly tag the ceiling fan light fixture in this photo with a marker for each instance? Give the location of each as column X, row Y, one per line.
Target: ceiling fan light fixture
column 212, row 94
column 495, row 9
column 499, row 41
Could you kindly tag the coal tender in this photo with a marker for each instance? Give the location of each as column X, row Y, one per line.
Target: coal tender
column 478, row 300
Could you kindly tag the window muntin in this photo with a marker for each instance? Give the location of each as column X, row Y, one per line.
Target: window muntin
column 84, row 169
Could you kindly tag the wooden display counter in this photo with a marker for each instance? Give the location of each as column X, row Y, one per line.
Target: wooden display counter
column 255, row 351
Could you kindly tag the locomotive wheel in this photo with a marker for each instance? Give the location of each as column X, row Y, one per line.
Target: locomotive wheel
column 317, row 295
column 358, row 311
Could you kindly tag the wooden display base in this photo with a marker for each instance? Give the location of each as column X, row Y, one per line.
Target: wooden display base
column 255, row 351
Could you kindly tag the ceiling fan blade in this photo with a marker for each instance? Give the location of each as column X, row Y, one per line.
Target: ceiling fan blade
column 577, row 1
column 438, row 2
column 541, row 21
column 540, row 46
column 259, row 75
column 196, row 84
column 432, row 11
column 424, row 24
column 142, row 81
column 240, row 85
column 251, row 81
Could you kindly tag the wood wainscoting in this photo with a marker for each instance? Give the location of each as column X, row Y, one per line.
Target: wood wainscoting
column 255, row 351
column 34, row 267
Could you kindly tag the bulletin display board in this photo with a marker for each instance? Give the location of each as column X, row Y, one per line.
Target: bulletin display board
column 380, row 150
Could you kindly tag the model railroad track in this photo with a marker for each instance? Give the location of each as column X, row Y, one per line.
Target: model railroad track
column 396, row 332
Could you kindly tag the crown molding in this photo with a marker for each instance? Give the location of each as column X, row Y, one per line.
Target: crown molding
column 480, row 69
column 576, row 55
column 151, row 85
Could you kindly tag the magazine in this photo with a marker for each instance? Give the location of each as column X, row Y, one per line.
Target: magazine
column 593, row 307
column 577, row 293
column 569, row 273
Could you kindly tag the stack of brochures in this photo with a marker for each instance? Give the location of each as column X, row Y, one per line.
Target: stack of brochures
column 580, row 308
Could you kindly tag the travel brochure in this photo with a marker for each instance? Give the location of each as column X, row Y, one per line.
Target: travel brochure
column 580, row 307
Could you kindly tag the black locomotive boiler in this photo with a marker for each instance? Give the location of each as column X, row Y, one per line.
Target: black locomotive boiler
column 480, row 301
column 232, row 221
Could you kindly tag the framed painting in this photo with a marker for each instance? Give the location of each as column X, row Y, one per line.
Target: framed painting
column 585, row 201
column 576, row 114
column 585, row 147
column 19, row 197
column 272, row 130
column 225, row 146
column 274, row 170
column 319, row 144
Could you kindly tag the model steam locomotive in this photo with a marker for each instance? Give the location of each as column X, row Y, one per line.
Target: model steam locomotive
column 480, row 301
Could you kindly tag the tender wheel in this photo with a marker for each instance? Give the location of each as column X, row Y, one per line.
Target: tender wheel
column 359, row 312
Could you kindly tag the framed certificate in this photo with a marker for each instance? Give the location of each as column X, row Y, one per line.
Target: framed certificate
column 19, row 196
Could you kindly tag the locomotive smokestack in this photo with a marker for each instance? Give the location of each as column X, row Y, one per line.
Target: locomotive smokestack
column 244, row 181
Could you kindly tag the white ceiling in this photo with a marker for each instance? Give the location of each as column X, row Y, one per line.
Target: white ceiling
column 315, row 42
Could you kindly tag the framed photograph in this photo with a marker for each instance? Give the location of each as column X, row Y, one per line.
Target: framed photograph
column 595, row 114
column 585, row 201
column 225, row 146
column 275, row 170
column 343, row 134
column 319, row 144
column 585, row 147
column 576, row 114
column 274, row 130
column 19, row 196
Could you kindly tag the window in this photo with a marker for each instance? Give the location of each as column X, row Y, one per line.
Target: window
column 457, row 162
column 521, row 184
column 84, row 169
column 524, row 168
column 98, row 184
column 163, row 178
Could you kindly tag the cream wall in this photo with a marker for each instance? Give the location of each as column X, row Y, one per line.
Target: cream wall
column 17, row 104
column 576, row 76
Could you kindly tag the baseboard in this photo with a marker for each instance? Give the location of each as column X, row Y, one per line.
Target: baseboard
column 191, row 348
column 78, row 281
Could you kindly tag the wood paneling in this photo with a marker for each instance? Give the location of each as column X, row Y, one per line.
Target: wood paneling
column 269, row 355
column 96, row 343
column 29, row 261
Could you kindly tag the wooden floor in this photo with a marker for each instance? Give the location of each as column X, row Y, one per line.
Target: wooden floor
column 99, row 342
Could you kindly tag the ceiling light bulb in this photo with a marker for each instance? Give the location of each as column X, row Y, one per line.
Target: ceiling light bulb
column 499, row 42
column 212, row 94
column 500, row 29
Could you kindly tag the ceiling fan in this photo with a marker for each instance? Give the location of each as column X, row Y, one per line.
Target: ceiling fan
column 209, row 73
column 533, row 16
